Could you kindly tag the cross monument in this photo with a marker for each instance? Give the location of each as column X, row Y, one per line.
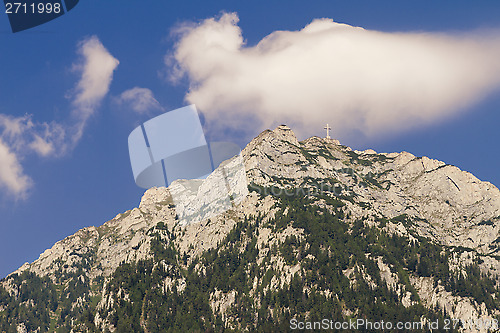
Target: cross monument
column 328, row 128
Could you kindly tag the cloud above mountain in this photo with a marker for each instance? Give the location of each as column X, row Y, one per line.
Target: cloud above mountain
column 12, row 176
column 141, row 100
column 96, row 67
column 359, row 80
column 21, row 136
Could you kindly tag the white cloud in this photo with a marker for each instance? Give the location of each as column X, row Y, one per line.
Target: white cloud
column 96, row 66
column 41, row 146
column 12, row 176
column 13, row 127
column 20, row 136
column 24, row 136
column 141, row 100
column 358, row 80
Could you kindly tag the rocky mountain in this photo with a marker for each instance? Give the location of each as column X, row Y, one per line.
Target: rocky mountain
column 325, row 236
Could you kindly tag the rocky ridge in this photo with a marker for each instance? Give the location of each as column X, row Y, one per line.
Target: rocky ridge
column 414, row 197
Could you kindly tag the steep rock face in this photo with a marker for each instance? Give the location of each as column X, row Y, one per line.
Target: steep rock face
column 100, row 250
column 398, row 194
column 460, row 209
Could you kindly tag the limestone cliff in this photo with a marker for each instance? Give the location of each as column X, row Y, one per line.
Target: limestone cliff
column 424, row 205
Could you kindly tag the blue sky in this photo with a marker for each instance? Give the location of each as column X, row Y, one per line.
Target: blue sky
column 86, row 180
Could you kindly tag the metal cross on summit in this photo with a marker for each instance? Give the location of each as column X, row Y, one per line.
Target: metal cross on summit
column 328, row 128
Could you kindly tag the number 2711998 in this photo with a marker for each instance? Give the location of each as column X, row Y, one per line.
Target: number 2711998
column 33, row 8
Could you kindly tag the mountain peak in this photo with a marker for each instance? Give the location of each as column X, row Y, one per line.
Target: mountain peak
column 308, row 202
column 155, row 195
column 286, row 134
